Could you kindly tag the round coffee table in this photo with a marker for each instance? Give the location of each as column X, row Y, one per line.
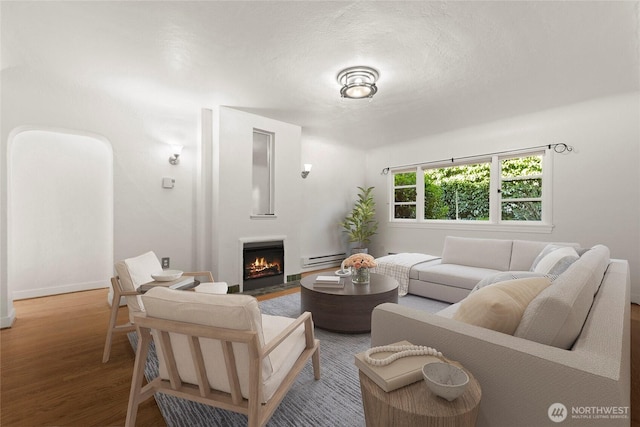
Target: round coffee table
column 348, row 309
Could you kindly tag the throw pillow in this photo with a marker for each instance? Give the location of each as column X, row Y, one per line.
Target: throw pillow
column 510, row 275
column 500, row 306
column 554, row 259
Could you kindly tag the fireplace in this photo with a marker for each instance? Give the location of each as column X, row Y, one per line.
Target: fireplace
column 263, row 264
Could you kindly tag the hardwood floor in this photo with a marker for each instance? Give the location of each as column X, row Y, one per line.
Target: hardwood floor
column 52, row 373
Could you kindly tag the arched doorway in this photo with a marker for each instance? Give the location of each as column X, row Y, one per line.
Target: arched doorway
column 60, row 212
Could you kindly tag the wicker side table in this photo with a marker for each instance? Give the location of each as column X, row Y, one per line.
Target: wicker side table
column 415, row 405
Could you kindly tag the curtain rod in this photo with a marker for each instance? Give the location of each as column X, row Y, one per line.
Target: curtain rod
column 559, row 147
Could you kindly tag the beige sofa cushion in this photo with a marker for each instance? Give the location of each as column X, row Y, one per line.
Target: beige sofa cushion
column 492, row 254
column 500, row 306
column 459, row 276
column 555, row 317
column 523, row 253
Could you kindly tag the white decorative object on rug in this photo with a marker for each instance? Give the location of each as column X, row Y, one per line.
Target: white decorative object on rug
column 445, row 380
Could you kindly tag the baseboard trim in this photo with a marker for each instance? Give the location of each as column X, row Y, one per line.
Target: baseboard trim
column 62, row 289
column 7, row 321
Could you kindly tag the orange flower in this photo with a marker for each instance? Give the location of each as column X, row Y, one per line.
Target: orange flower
column 360, row 260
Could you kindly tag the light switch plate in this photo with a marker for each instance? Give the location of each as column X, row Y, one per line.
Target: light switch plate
column 168, row 182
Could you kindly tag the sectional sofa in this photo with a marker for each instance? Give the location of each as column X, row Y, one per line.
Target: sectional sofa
column 567, row 357
column 466, row 261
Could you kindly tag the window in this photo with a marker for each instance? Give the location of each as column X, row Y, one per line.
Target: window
column 505, row 189
column 262, row 173
column 404, row 195
column 521, row 188
column 457, row 192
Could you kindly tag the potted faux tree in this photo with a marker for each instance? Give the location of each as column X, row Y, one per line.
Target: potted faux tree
column 361, row 225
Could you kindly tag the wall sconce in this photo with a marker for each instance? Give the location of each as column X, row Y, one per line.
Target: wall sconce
column 175, row 157
column 305, row 170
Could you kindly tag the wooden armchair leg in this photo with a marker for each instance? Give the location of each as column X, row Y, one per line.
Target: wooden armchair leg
column 115, row 305
column 136, row 394
column 315, row 361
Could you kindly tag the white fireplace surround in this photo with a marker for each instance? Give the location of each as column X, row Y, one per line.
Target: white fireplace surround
column 241, row 243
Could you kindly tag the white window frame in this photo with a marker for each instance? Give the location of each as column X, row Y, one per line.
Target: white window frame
column 393, row 203
column 495, row 222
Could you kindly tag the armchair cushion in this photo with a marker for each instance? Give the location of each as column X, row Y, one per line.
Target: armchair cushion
column 212, row 288
column 284, row 356
column 134, row 272
column 237, row 312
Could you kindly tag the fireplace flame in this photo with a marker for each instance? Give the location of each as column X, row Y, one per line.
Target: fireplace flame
column 262, row 267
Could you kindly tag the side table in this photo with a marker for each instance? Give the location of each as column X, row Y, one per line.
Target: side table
column 415, row 405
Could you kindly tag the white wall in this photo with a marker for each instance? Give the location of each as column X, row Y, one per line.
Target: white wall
column 328, row 194
column 146, row 216
column 233, row 192
column 595, row 197
column 60, row 213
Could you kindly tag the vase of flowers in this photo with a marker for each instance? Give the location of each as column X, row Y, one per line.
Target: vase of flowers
column 360, row 265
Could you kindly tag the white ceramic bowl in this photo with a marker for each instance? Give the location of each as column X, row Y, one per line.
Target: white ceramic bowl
column 167, row 275
column 344, row 273
column 445, row 380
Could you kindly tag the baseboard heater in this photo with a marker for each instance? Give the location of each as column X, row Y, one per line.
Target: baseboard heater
column 323, row 260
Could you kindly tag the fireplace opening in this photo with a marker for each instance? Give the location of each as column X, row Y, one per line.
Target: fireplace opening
column 263, row 264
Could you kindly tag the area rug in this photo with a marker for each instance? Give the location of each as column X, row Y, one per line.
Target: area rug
column 333, row 401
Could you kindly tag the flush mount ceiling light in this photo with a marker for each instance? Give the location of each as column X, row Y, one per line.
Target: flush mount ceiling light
column 358, row 82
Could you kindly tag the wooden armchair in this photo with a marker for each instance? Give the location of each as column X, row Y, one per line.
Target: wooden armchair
column 133, row 273
column 221, row 351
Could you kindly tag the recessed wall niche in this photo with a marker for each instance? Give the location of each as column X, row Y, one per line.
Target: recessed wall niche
column 262, row 173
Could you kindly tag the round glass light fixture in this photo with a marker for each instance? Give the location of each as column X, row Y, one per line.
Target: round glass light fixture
column 358, row 82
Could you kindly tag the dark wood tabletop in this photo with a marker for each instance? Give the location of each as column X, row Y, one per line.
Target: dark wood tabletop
column 347, row 309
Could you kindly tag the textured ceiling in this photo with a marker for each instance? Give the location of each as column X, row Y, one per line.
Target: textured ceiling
column 443, row 65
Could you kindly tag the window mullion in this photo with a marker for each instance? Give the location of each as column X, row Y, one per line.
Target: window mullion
column 419, row 194
column 495, row 197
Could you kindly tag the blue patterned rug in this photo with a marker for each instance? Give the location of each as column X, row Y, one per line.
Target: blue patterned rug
column 333, row 401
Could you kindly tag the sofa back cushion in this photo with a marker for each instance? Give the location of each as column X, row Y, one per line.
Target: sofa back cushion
column 556, row 316
column 523, row 253
column 484, row 253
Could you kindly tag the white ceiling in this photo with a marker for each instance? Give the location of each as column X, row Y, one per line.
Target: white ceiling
column 443, row 65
